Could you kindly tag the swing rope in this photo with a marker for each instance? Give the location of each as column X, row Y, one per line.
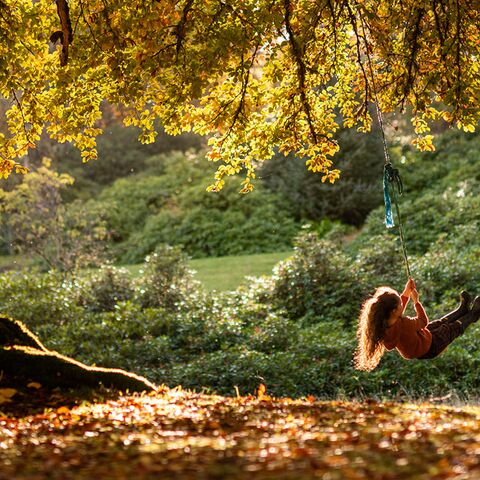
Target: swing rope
column 392, row 182
column 391, row 176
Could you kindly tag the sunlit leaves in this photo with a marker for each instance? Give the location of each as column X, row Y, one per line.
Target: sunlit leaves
column 253, row 75
column 424, row 143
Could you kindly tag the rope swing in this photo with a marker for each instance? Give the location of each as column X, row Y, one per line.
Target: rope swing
column 391, row 176
column 392, row 182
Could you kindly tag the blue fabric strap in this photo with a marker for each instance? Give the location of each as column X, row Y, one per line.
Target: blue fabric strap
column 388, row 204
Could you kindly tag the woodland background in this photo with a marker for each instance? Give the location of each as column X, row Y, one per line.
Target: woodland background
column 96, row 262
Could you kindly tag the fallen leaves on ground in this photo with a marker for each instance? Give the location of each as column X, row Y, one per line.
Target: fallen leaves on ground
column 179, row 434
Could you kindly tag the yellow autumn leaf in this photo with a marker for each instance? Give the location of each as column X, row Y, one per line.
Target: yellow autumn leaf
column 262, row 390
column 35, row 385
column 6, row 394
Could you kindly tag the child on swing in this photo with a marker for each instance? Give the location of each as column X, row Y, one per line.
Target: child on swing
column 382, row 325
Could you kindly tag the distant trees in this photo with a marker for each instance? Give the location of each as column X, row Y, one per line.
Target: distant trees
column 361, row 161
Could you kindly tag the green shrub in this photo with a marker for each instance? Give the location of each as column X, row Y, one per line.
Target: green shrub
column 170, row 205
column 274, row 333
column 319, row 282
column 39, row 299
column 451, row 265
column 212, row 225
column 380, row 262
column 104, row 288
column 130, row 201
column 165, row 281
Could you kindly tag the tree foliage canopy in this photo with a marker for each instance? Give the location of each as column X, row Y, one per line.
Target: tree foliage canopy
column 254, row 74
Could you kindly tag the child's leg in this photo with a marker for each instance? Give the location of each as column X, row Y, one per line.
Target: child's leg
column 446, row 332
column 456, row 314
column 442, row 336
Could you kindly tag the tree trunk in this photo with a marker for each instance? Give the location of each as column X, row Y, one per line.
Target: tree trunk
column 24, row 358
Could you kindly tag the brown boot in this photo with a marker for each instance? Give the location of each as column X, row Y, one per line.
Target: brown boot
column 472, row 316
column 461, row 310
column 465, row 299
column 476, row 306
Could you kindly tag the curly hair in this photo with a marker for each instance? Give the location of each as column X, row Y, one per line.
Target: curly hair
column 372, row 324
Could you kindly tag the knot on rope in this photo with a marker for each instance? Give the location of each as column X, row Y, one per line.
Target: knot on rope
column 393, row 176
column 390, row 175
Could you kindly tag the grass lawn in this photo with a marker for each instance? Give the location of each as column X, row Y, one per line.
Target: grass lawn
column 227, row 273
column 12, row 262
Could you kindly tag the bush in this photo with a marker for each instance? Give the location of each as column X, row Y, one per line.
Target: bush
column 130, row 201
column 274, row 333
column 212, row 225
column 380, row 261
column 39, row 300
column 451, row 265
column 172, row 206
column 165, row 281
column 104, row 288
column 319, row 282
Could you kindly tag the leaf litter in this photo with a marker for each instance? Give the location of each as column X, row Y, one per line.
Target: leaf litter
column 182, row 434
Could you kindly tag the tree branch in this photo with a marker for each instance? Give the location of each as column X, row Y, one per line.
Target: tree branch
column 301, row 70
column 180, row 28
column 458, row 86
column 67, row 34
column 353, row 22
column 413, row 55
column 17, row 101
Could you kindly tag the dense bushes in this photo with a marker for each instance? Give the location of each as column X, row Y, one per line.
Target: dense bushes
column 104, row 288
column 146, row 210
column 166, row 280
column 292, row 331
column 317, row 280
column 428, row 217
column 214, row 231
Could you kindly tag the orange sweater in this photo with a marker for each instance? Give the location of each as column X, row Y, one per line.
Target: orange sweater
column 408, row 334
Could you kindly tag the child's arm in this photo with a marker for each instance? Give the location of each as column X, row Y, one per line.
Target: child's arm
column 407, row 291
column 422, row 319
column 409, row 287
column 405, row 299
